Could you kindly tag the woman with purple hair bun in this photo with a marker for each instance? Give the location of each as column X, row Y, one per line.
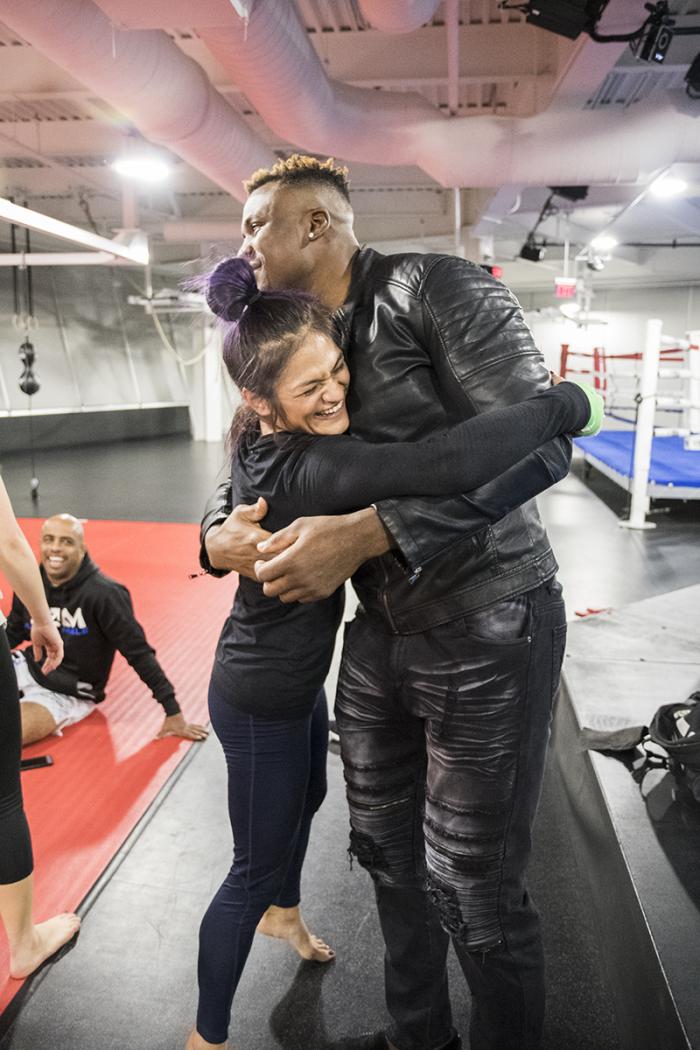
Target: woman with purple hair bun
column 288, row 444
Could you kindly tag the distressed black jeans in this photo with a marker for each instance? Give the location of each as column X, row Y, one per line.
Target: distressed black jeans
column 443, row 738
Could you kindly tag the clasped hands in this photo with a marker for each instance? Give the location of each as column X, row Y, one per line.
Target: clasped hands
column 304, row 562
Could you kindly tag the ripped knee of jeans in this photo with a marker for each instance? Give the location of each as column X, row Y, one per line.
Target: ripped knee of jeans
column 479, row 938
column 367, row 852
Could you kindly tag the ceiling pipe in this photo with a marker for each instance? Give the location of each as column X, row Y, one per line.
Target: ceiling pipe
column 397, row 16
column 560, row 149
column 452, row 35
column 272, row 61
column 145, row 76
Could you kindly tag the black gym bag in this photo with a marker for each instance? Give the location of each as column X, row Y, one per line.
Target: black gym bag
column 671, row 741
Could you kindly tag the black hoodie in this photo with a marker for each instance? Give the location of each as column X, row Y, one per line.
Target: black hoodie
column 95, row 617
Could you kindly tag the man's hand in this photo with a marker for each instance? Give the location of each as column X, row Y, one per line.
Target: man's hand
column 233, row 544
column 175, row 725
column 46, row 636
column 314, row 556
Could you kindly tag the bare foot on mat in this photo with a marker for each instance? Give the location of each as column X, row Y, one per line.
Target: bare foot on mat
column 47, row 938
column 288, row 925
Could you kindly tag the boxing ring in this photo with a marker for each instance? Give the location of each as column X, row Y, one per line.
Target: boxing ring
column 650, row 460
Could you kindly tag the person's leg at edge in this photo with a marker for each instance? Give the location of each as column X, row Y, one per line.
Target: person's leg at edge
column 479, row 820
column 268, row 775
column 284, row 919
column 383, row 752
column 30, row 943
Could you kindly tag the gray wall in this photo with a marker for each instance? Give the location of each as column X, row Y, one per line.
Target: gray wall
column 92, row 348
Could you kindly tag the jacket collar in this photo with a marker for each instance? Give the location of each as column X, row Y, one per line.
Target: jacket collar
column 362, row 263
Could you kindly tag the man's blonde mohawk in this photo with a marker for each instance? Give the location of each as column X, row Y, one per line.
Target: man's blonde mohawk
column 300, row 168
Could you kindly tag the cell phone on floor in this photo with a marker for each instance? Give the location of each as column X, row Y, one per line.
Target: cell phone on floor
column 37, row 762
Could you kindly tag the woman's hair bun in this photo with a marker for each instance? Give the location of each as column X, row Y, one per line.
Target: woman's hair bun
column 231, row 288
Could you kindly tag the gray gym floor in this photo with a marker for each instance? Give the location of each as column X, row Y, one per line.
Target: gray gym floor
column 131, row 980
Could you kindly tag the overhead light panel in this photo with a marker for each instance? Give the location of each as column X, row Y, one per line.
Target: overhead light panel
column 142, row 168
column 668, row 186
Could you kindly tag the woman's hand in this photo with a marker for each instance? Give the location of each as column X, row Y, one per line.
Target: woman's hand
column 45, row 636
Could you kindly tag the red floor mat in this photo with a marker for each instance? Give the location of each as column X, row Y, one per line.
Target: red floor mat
column 108, row 769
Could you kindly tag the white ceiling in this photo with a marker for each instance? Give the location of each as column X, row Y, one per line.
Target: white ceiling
column 58, row 137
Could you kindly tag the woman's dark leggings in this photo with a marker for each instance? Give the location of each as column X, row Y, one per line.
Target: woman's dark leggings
column 15, row 844
column 276, row 782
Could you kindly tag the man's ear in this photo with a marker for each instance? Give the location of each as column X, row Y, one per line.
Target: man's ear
column 260, row 405
column 319, row 223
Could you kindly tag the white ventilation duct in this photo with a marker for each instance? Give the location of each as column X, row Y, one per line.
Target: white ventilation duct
column 398, row 16
column 169, row 98
column 272, row 61
column 145, row 76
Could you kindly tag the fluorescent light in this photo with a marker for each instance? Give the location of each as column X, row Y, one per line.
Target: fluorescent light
column 145, row 169
column 36, row 220
column 668, row 186
column 604, row 243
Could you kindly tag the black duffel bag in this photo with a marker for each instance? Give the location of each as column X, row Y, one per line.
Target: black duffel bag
column 671, row 741
column 676, row 729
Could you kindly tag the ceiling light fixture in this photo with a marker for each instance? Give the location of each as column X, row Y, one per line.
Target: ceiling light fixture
column 143, row 168
column 604, row 242
column 594, row 262
column 532, row 252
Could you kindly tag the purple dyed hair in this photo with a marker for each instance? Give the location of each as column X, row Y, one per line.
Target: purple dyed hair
column 263, row 331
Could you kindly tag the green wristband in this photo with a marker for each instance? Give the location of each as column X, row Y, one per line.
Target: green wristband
column 597, row 406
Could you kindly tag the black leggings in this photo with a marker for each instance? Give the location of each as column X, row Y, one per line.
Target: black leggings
column 277, row 781
column 15, row 844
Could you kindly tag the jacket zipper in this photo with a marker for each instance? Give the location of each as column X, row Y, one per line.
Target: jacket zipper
column 385, row 600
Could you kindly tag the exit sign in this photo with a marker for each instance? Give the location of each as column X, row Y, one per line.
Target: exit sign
column 565, row 287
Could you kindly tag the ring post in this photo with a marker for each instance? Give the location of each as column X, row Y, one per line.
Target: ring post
column 692, row 441
column 644, row 434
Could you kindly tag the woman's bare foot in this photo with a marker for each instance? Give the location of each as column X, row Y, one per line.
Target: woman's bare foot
column 45, row 939
column 288, row 924
column 196, row 1042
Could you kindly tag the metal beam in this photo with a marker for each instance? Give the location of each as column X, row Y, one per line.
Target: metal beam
column 64, row 259
column 35, row 220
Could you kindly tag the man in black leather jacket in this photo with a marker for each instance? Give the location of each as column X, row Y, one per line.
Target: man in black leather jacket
column 451, row 667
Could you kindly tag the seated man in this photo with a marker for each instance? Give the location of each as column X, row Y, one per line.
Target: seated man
column 95, row 617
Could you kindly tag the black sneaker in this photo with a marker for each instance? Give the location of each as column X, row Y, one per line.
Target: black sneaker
column 378, row 1041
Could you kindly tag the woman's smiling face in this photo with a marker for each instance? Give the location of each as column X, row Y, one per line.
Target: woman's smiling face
column 312, row 388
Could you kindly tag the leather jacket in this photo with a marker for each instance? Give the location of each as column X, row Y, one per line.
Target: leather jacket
column 432, row 339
